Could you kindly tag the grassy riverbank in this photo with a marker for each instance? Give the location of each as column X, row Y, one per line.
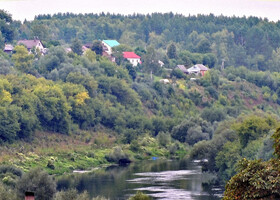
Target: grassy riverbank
column 59, row 154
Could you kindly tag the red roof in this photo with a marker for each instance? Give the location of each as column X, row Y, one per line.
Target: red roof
column 130, row 55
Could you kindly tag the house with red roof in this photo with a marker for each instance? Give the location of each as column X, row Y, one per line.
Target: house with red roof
column 133, row 58
column 30, row 44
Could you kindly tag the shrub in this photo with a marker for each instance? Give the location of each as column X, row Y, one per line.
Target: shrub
column 140, row 196
column 118, row 156
column 71, row 194
column 163, row 138
column 39, row 182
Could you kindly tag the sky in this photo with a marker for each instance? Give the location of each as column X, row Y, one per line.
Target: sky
column 27, row 9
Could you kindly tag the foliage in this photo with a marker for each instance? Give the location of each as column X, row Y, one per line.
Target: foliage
column 118, row 156
column 192, row 131
column 22, row 59
column 6, row 193
column 139, row 196
column 171, row 51
column 256, row 179
column 97, row 47
column 39, row 182
column 71, row 194
column 77, row 46
column 253, row 127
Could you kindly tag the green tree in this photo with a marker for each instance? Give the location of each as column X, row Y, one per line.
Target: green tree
column 204, row 46
column 6, row 27
column 97, row 47
column 253, row 127
column 76, row 46
column 256, row 179
column 22, row 59
column 90, row 55
column 39, row 182
column 171, row 51
column 9, row 123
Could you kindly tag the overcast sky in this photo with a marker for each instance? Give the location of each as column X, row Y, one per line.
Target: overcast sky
column 27, row 9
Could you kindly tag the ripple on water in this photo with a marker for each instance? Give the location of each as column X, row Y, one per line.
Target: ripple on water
column 159, row 187
column 165, row 176
column 166, row 193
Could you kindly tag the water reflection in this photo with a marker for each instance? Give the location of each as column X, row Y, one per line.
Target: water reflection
column 160, row 179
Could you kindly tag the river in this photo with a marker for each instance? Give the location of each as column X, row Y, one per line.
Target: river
column 161, row 179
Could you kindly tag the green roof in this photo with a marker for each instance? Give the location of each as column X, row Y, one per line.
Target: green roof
column 111, row 43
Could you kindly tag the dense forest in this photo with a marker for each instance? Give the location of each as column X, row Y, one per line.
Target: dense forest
column 227, row 116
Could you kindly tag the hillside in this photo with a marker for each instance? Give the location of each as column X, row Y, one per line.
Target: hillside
column 72, row 105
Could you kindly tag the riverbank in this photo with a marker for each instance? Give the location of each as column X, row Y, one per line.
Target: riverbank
column 59, row 154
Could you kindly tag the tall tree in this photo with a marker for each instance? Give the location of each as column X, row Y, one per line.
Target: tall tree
column 77, row 46
column 97, row 47
column 6, row 28
column 171, row 51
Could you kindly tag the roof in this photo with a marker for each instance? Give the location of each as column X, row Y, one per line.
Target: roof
column 130, row 55
column 194, row 69
column 182, row 68
column 111, row 43
column 8, row 47
column 29, row 43
column 202, row 67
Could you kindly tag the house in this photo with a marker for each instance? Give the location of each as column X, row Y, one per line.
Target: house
column 133, row 58
column 198, row 69
column 8, row 48
column 108, row 45
column 182, row 68
column 30, row 44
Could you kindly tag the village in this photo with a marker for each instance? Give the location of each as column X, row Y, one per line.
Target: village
column 36, row 46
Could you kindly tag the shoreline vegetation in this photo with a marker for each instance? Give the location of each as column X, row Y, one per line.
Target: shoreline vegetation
column 59, row 154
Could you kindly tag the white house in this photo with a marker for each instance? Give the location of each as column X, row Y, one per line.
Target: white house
column 30, row 44
column 133, row 58
column 108, row 45
column 8, row 48
column 198, row 69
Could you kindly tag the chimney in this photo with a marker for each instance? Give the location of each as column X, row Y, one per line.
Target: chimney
column 29, row 196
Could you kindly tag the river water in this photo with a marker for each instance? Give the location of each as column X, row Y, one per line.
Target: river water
column 160, row 179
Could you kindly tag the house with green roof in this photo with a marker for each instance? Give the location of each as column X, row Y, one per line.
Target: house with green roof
column 108, row 45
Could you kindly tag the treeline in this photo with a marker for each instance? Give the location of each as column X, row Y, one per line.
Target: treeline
column 250, row 42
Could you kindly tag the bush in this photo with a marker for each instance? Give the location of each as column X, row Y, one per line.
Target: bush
column 140, row 196
column 6, row 193
column 7, row 168
column 213, row 114
column 39, row 182
column 178, row 74
column 118, row 156
column 71, row 194
column 163, row 138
